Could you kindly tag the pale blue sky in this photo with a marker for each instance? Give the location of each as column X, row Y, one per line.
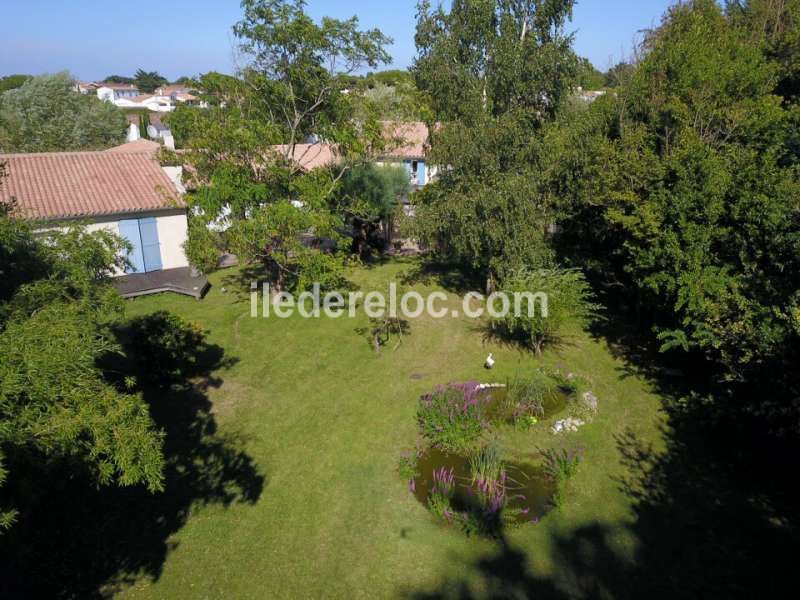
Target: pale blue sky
column 95, row 38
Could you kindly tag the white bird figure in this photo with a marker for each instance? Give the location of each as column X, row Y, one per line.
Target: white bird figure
column 489, row 361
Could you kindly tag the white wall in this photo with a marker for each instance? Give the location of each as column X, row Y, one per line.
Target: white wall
column 172, row 233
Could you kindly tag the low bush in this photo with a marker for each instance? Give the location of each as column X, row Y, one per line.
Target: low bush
column 539, row 323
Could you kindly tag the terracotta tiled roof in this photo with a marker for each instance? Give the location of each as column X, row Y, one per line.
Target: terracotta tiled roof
column 118, row 86
column 83, row 184
column 137, row 147
column 405, row 140
column 309, row 156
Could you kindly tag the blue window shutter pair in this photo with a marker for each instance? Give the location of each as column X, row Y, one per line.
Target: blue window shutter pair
column 421, row 175
column 143, row 236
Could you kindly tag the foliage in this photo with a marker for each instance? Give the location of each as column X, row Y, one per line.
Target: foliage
column 561, row 465
column 368, row 197
column 452, row 417
column 56, row 404
column 244, row 149
column 12, row 82
column 589, row 78
column 619, row 75
column 203, row 245
column 568, row 302
column 683, row 189
column 119, row 79
column 148, row 81
column 486, row 464
column 495, row 72
column 46, row 114
column 525, row 399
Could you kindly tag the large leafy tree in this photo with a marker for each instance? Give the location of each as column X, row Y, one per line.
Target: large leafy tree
column 496, row 71
column 46, row 114
column 251, row 167
column 685, row 187
column 57, row 407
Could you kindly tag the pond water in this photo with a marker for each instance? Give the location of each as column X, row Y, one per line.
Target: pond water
column 554, row 403
column 529, row 490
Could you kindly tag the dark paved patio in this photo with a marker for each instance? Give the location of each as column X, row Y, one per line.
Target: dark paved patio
column 179, row 281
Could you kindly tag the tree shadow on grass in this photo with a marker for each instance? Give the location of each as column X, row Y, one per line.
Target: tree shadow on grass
column 75, row 540
column 453, row 279
column 714, row 508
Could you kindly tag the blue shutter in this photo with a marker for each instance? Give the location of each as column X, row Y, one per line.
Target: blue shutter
column 407, row 164
column 421, row 172
column 151, row 248
column 129, row 229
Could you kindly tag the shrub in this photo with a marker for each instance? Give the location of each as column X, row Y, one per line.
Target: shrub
column 568, row 301
column 452, row 417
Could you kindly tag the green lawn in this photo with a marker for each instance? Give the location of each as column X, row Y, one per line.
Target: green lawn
column 324, row 419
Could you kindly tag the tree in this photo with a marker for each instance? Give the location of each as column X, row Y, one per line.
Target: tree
column 496, row 72
column 46, row 114
column 57, row 407
column 12, row 82
column 368, row 197
column 247, row 155
column 148, row 81
column 119, row 79
column 685, row 185
column 619, row 75
column 589, row 78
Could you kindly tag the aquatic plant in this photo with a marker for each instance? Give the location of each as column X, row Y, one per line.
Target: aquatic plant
column 486, row 463
column 453, row 417
column 561, row 465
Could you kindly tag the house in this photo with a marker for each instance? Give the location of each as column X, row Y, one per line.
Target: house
column 149, row 101
column 86, row 87
column 407, row 145
column 122, row 190
column 112, row 92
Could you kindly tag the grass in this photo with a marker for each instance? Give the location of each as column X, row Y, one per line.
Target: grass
column 324, row 419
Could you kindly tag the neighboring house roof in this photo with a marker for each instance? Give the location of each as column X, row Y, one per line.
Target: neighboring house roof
column 184, row 96
column 166, row 90
column 137, row 147
column 405, row 140
column 61, row 185
column 118, row 86
column 309, row 156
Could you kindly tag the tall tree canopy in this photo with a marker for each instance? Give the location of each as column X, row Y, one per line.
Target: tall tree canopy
column 684, row 189
column 496, row 71
column 250, row 164
column 46, row 114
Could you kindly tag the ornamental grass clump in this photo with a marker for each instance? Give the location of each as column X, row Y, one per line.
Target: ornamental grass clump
column 453, row 417
column 444, row 487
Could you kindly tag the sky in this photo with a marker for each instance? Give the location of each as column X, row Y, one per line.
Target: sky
column 93, row 39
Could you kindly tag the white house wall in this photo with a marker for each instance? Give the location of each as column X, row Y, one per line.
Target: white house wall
column 173, row 231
